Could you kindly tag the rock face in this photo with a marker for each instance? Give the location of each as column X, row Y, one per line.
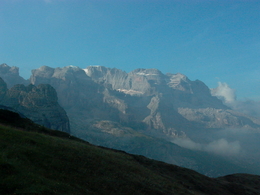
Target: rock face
column 173, row 102
column 11, row 75
column 3, row 89
column 144, row 102
column 40, row 104
column 76, row 91
column 71, row 83
column 166, row 104
column 82, row 98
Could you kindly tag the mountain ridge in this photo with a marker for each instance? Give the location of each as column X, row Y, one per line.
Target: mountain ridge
column 149, row 103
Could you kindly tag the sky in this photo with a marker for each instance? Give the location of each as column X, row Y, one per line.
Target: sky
column 215, row 41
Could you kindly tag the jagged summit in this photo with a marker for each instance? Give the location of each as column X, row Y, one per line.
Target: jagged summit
column 5, row 69
column 11, row 75
column 45, row 74
column 38, row 103
column 147, row 72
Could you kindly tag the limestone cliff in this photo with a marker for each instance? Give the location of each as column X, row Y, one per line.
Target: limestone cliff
column 168, row 104
column 11, row 75
column 171, row 103
column 82, row 98
column 38, row 103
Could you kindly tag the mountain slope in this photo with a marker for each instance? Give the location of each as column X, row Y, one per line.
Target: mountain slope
column 113, row 135
column 150, row 112
column 39, row 103
column 37, row 163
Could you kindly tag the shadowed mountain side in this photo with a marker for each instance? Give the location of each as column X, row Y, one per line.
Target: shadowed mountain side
column 10, row 118
column 40, row 104
column 36, row 163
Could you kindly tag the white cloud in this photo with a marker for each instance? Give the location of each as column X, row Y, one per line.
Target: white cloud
column 228, row 96
column 223, row 147
column 220, row 147
column 187, row 143
column 224, row 92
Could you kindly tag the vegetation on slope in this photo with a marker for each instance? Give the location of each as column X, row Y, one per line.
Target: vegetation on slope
column 33, row 162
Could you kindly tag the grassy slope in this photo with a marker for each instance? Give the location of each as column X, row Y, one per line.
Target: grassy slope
column 113, row 135
column 37, row 163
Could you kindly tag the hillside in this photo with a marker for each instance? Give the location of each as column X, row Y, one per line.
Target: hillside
column 43, row 161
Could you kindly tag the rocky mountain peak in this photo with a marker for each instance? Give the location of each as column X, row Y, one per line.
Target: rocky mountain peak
column 96, row 72
column 41, row 75
column 70, row 74
column 38, row 103
column 147, row 72
column 109, row 77
column 4, row 68
column 11, row 75
column 177, row 78
column 183, row 83
column 152, row 76
column 44, row 71
column 179, row 81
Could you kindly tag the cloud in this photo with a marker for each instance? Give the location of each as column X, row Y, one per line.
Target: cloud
column 187, row 143
column 220, row 147
column 223, row 147
column 228, row 96
column 224, row 92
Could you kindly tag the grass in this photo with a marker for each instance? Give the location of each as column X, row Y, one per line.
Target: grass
column 50, row 162
column 36, row 163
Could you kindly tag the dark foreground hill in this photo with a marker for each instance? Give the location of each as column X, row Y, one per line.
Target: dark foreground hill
column 35, row 160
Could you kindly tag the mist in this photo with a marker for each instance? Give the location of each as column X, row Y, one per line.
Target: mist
column 237, row 145
column 220, row 146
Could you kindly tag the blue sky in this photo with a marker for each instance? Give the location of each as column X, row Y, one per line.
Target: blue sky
column 209, row 40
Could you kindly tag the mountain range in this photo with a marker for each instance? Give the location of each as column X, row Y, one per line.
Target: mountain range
column 165, row 117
